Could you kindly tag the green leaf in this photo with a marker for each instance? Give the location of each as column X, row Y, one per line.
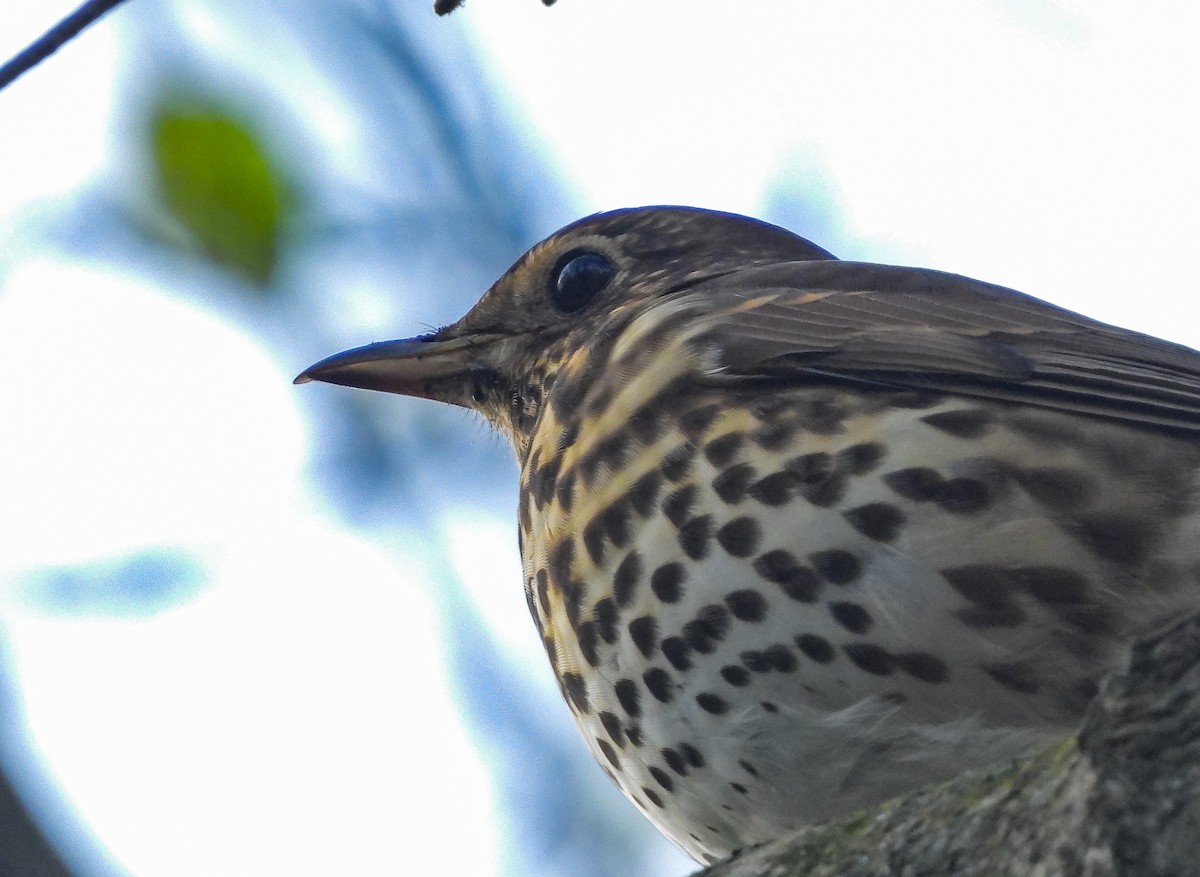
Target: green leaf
column 216, row 179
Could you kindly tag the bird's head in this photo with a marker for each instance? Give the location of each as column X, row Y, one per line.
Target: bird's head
column 581, row 284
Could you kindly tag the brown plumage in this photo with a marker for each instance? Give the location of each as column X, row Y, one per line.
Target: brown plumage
column 800, row 534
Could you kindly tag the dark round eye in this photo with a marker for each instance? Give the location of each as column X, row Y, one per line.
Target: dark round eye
column 578, row 278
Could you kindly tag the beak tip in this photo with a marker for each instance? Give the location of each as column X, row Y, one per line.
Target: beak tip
column 303, row 378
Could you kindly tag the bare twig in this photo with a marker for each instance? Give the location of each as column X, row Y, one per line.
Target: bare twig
column 54, row 39
column 445, row 7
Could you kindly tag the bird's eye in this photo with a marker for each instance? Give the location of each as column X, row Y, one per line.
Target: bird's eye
column 578, row 278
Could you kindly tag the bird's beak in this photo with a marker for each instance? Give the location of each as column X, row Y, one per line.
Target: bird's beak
column 429, row 367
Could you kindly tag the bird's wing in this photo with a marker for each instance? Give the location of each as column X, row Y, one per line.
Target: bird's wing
column 906, row 327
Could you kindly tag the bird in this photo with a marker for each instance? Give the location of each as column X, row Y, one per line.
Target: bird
column 800, row 535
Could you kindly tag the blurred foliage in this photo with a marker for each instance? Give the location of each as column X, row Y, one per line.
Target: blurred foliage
column 218, row 181
column 138, row 584
column 443, row 190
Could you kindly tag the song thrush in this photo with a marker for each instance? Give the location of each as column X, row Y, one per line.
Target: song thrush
column 802, row 534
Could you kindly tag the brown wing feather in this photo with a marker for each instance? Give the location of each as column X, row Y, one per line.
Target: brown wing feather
column 925, row 329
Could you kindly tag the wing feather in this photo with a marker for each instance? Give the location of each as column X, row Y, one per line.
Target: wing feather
column 914, row 328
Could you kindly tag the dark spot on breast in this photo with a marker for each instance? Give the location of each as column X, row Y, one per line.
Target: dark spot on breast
column 643, row 631
column 731, row 485
column 1088, row 619
column 613, row 726
column 739, row 788
column 658, row 683
column 593, row 540
column 662, row 778
column 599, row 401
column 609, row 753
column 674, row 761
column 712, row 703
column 678, row 505
column 634, row 733
column 740, row 537
column 736, row 676
column 821, row 483
column 531, row 604
column 572, row 594
column 677, row 652
column 871, row 658
column 695, row 536
column 821, row 416
column 647, row 424
column 585, row 635
column 780, row 658
column 747, row 767
column 564, row 491
column 796, row 581
column 981, row 584
column 604, row 613
column 815, row 647
column 543, row 591
column 576, row 688
column 776, row 489
column 544, row 480
column 707, row 629
column 773, row 436
column 962, row 496
column 923, row 666
column 644, row 493
column 965, row 423
column 677, row 462
column 654, row 796
column 610, row 453
column 720, row 451
column 1004, row 615
column 667, row 582
column 570, row 431
column 836, row 566
column 692, row 754
column 588, row 466
column 851, row 616
column 1056, row 488
column 861, row 458
column 746, row 604
column 1014, row 676
column 919, row 483
column 628, row 697
column 626, row 578
column 876, row 520
column 1052, row 584
column 524, row 519
column 990, row 589
column 810, row 468
column 755, row 661
column 1122, row 539
column 562, row 557
column 698, row 420
column 617, row 520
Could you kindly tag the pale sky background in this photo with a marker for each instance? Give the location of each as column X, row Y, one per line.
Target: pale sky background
column 1050, row 147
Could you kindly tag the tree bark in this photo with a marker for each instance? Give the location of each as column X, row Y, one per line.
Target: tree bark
column 1123, row 800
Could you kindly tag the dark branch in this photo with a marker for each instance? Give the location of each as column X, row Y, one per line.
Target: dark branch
column 445, row 7
column 54, row 39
